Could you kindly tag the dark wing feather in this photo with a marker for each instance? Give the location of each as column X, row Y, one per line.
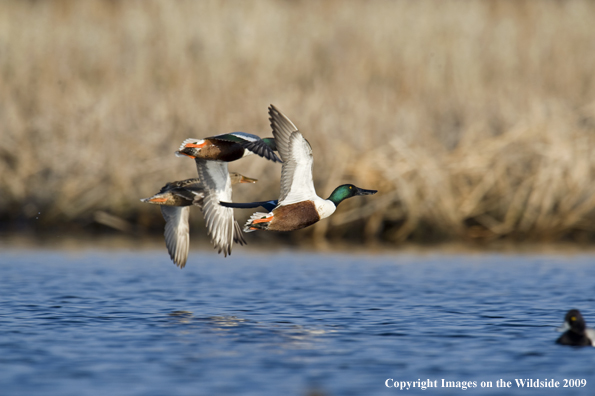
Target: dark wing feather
column 249, row 142
column 260, row 148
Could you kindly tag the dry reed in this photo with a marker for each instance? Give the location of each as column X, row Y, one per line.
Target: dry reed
column 473, row 119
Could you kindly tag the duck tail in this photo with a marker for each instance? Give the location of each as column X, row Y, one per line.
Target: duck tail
column 255, row 222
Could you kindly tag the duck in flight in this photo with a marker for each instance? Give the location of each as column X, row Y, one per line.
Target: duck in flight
column 576, row 332
column 229, row 147
column 298, row 205
column 175, row 199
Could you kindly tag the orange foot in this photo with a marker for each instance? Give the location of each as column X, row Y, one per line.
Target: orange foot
column 265, row 220
column 158, row 200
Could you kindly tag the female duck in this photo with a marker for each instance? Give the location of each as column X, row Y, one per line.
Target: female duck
column 229, row 147
column 175, row 199
column 298, row 205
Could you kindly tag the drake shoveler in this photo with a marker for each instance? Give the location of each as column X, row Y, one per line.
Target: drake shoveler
column 229, row 147
column 298, row 206
column 175, row 199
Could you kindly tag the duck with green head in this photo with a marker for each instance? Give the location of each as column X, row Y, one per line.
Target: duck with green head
column 299, row 206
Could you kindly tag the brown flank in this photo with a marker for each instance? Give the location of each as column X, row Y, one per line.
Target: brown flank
column 294, row 217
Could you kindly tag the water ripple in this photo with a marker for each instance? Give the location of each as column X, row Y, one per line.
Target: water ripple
column 132, row 324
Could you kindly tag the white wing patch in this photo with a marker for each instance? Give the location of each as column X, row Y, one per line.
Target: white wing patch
column 177, row 237
column 219, row 220
column 220, row 223
column 296, row 153
column 296, row 173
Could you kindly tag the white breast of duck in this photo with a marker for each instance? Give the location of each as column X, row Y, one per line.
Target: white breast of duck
column 324, row 207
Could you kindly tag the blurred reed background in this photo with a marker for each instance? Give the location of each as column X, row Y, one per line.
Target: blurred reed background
column 474, row 120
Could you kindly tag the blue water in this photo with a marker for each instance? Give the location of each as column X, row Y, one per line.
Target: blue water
column 131, row 323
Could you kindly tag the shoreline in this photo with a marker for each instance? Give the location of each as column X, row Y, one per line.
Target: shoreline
column 91, row 241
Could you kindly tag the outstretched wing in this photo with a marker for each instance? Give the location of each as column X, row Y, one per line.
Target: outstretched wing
column 296, row 153
column 177, row 237
column 251, row 143
column 220, row 223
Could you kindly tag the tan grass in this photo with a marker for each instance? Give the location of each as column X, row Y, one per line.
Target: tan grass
column 473, row 119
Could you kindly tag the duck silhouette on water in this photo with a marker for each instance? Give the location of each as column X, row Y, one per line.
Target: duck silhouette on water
column 576, row 332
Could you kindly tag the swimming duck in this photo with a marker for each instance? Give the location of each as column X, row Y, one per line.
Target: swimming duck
column 229, row 147
column 298, row 204
column 575, row 329
column 175, row 199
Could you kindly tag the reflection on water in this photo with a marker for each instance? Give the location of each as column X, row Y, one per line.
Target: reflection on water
column 220, row 322
column 132, row 324
column 181, row 316
column 285, row 332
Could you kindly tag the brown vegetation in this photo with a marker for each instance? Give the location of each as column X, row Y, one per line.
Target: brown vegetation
column 472, row 119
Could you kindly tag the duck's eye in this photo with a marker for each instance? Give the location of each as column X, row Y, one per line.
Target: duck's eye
column 573, row 319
